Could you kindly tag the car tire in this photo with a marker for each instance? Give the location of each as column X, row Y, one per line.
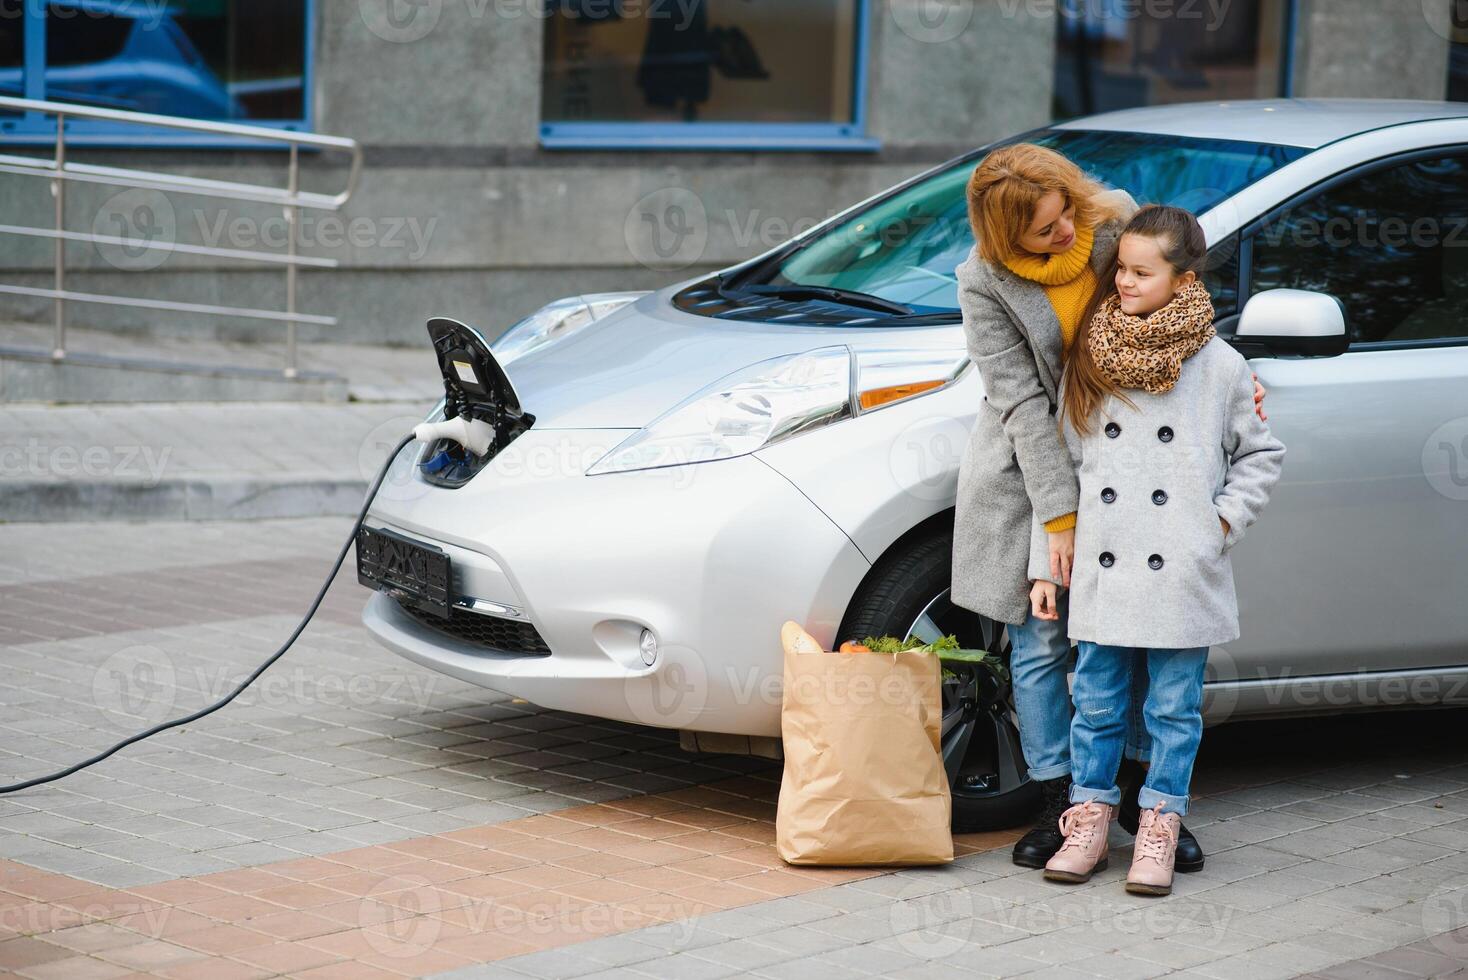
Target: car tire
column 906, row 594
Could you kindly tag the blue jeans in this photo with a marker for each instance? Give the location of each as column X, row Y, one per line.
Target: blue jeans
column 1105, row 696
column 1039, row 661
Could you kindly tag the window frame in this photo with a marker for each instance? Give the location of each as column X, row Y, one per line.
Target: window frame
column 632, row 135
column 32, row 129
column 1251, row 228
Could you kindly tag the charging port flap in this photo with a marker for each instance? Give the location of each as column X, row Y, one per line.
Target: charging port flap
column 475, row 386
column 473, row 380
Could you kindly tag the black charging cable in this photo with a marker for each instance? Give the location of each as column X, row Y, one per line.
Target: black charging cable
column 300, row 627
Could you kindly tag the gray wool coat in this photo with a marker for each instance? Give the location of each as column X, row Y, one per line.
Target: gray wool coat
column 1014, row 468
column 1152, row 565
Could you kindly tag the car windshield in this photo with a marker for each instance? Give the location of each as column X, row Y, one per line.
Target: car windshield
column 904, row 248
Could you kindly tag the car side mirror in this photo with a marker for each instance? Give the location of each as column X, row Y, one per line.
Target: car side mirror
column 1294, row 321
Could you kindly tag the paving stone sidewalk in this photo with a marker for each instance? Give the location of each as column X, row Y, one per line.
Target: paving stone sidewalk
column 193, row 461
column 357, row 816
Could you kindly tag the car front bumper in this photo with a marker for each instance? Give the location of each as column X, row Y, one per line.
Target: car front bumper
column 711, row 558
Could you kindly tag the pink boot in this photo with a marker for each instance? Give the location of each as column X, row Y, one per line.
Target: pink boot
column 1085, row 826
column 1152, row 857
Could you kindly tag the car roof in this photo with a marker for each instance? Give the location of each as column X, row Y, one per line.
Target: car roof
column 1308, row 123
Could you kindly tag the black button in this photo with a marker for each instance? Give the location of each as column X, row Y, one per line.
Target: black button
column 1108, row 495
column 1159, row 497
column 1107, row 559
column 1165, row 433
column 1154, row 562
column 1113, row 430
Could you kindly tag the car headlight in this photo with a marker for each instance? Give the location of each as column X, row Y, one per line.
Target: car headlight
column 557, row 320
column 778, row 398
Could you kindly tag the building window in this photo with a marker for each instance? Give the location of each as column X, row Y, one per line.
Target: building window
column 1118, row 54
column 711, row 74
column 226, row 60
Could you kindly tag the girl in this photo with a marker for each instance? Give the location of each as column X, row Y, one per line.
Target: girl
column 1168, row 486
column 1045, row 237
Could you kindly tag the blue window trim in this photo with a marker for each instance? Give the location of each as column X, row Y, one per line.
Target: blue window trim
column 36, row 129
column 849, row 136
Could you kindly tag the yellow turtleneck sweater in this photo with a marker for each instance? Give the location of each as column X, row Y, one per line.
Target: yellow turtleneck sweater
column 1069, row 282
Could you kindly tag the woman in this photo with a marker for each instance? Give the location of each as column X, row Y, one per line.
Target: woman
column 1045, row 233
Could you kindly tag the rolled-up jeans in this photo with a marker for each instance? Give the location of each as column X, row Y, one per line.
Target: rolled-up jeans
column 1039, row 663
column 1172, row 706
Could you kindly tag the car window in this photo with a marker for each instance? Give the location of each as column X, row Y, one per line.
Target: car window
column 905, row 248
column 1392, row 245
column 82, row 35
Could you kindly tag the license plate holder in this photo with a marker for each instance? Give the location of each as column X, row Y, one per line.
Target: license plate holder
column 412, row 572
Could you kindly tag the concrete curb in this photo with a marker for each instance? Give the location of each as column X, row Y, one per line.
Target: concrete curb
column 225, row 498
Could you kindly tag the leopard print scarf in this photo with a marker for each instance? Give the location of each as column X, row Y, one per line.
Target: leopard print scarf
column 1148, row 352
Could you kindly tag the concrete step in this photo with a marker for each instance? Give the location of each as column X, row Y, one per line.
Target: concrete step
column 194, row 461
column 29, row 375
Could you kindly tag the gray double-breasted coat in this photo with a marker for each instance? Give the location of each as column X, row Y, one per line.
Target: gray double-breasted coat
column 1152, row 565
column 1014, row 468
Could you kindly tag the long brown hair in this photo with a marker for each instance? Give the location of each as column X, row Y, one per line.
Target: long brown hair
column 1011, row 180
column 1184, row 247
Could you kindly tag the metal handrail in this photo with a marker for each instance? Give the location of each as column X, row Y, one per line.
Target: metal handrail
column 59, row 171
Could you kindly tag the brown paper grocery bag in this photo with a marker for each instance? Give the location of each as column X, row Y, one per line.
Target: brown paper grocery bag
column 863, row 781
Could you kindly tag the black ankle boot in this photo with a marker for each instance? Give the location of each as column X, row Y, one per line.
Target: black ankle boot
column 1043, row 840
column 1131, row 777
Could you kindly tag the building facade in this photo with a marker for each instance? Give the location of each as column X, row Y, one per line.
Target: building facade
column 517, row 151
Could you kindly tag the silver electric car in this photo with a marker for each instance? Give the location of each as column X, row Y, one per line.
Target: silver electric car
column 674, row 474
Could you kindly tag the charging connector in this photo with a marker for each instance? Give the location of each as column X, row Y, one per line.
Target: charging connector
column 295, row 634
column 474, row 435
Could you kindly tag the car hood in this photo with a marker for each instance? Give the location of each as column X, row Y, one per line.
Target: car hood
column 632, row 366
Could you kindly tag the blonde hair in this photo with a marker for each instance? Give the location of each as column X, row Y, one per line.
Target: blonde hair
column 1010, row 181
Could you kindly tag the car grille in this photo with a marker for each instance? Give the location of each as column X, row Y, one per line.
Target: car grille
column 490, row 632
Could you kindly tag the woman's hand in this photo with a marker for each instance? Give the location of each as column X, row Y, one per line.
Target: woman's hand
column 1224, row 521
column 1062, row 554
column 1042, row 600
column 1259, row 398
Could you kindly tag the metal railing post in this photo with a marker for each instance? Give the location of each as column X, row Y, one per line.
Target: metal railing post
column 292, row 213
column 58, row 190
